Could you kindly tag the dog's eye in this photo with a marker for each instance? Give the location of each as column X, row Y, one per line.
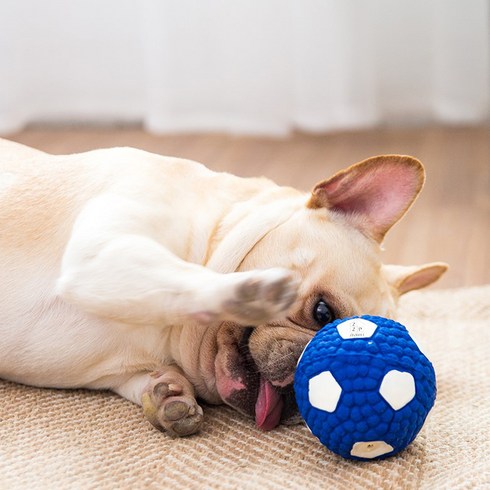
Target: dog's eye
column 322, row 313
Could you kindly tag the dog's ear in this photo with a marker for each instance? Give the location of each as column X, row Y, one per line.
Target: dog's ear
column 407, row 278
column 373, row 194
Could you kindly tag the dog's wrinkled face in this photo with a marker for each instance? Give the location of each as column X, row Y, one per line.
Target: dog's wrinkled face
column 340, row 275
column 333, row 246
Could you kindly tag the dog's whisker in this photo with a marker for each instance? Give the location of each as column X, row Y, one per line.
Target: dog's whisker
column 281, row 359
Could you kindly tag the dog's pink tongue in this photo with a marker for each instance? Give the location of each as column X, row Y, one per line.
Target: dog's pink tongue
column 268, row 407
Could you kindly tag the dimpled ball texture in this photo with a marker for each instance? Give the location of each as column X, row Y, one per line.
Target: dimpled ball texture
column 364, row 388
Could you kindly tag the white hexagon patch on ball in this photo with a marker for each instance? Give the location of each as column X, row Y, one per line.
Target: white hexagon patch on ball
column 397, row 388
column 324, row 391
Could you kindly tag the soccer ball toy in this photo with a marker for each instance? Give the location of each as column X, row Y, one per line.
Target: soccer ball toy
column 364, row 388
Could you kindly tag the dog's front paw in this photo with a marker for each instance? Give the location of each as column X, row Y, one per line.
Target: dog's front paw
column 169, row 408
column 260, row 296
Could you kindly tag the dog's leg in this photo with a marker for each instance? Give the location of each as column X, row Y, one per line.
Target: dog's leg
column 113, row 267
column 167, row 398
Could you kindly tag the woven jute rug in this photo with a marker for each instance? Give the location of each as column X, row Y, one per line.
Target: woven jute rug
column 82, row 440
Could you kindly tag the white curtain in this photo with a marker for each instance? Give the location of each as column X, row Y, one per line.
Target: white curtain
column 246, row 66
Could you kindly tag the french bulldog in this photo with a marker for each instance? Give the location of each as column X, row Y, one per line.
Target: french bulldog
column 168, row 283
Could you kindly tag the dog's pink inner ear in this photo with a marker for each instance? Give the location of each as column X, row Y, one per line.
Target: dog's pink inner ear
column 373, row 194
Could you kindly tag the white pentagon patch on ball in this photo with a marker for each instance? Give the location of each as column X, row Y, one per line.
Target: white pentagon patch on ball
column 356, row 328
column 324, row 391
column 370, row 449
column 397, row 388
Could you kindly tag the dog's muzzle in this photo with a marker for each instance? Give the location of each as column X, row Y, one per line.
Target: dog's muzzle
column 254, row 373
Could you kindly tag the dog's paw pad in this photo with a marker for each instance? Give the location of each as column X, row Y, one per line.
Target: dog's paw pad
column 188, row 425
column 281, row 289
column 163, row 390
column 249, row 290
column 180, row 416
column 261, row 296
column 175, row 409
column 168, row 408
column 245, row 312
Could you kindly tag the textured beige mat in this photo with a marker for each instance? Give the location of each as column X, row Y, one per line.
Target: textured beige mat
column 69, row 440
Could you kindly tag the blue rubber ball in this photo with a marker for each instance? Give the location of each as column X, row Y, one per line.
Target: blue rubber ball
column 364, row 387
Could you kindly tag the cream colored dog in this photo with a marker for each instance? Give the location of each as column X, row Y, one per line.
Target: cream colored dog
column 163, row 281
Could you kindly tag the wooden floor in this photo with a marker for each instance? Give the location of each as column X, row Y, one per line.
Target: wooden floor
column 450, row 222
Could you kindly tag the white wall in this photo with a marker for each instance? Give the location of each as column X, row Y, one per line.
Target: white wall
column 70, row 60
column 244, row 65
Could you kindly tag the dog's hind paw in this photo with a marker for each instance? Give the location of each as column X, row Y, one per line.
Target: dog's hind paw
column 169, row 408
